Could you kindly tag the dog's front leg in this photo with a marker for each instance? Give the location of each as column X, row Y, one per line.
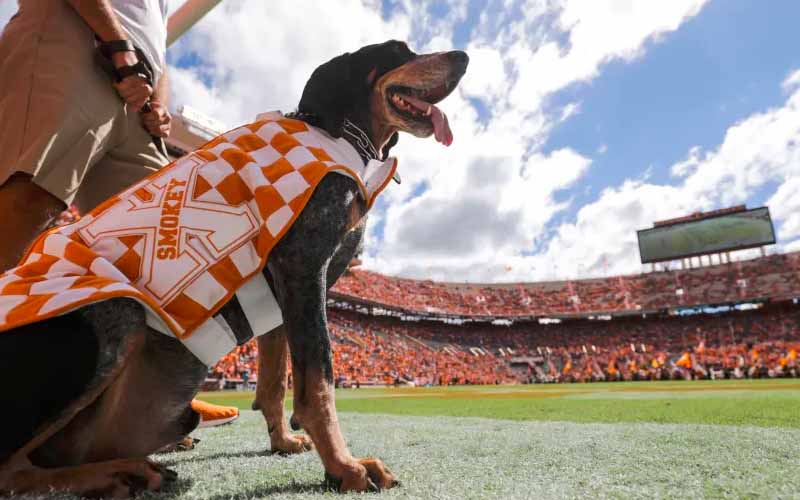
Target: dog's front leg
column 314, row 406
column 299, row 265
column 273, row 361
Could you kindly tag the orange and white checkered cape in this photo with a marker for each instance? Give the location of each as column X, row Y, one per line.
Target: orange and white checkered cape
column 184, row 240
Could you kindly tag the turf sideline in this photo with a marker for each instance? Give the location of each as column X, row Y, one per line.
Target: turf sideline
column 473, row 458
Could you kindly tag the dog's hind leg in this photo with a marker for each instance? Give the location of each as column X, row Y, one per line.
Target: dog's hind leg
column 144, row 409
column 273, row 361
column 115, row 479
column 119, row 338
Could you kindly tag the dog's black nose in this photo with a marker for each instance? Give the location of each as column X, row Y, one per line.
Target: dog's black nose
column 458, row 57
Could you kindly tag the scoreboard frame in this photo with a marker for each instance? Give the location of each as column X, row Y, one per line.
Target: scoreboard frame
column 684, row 221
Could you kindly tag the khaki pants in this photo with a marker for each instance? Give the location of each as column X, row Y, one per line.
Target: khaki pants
column 60, row 119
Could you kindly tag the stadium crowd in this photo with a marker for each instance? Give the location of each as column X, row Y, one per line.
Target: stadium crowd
column 774, row 276
column 386, row 350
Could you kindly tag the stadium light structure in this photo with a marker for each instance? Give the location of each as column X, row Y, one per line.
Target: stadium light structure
column 191, row 128
column 187, row 16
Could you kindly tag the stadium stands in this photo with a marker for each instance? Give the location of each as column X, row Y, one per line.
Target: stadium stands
column 638, row 338
column 371, row 350
column 775, row 276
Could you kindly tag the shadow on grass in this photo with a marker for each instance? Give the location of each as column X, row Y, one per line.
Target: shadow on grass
column 275, row 489
column 171, row 490
column 181, row 487
column 185, row 457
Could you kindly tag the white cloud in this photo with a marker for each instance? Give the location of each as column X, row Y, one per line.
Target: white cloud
column 601, row 29
column 793, row 246
column 493, row 208
column 596, row 32
column 785, row 207
column 569, row 111
column 765, row 147
column 792, row 81
column 7, row 9
column 485, row 64
column 688, row 166
column 756, row 152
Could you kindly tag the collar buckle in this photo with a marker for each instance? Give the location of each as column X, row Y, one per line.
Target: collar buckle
column 361, row 141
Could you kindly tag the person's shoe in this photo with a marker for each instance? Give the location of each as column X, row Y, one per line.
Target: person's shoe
column 212, row 415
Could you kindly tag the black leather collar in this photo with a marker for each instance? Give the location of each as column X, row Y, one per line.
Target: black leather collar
column 359, row 140
column 354, row 135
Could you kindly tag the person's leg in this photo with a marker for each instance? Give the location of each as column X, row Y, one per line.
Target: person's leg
column 135, row 158
column 27, row 211
column 56, row 117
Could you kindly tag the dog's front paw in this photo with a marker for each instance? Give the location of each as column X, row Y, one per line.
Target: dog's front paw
column 379, row 473
column 291, row 444
column 366, row 474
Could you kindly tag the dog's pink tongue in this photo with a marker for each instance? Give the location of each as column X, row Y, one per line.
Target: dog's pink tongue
column 441, row 127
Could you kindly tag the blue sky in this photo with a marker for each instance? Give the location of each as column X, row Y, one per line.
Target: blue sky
column 719, row 68
column 578, row 122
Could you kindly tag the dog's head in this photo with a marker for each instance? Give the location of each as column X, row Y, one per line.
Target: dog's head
column 384, row 89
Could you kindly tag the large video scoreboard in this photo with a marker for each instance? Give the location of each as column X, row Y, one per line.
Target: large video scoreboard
column 719, row 233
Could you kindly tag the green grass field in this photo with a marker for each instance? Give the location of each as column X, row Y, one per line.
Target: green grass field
column 723, row 439
column 762, row 403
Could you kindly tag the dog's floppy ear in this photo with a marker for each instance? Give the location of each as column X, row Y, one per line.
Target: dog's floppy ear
column 389, row 145
column 330, row 93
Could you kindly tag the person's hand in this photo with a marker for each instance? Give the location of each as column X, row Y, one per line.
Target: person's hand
column 157, row 121
column 134, row 90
